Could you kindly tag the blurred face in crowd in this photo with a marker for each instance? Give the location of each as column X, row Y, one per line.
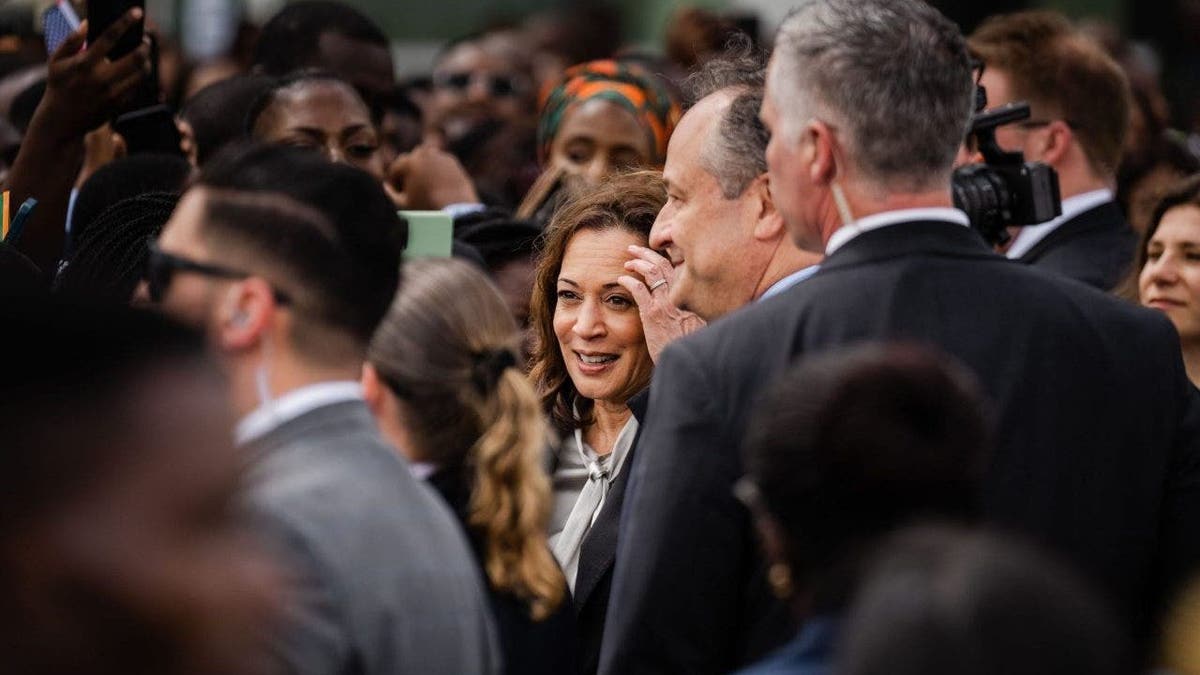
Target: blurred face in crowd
column 146, row 566
column 1170, row 281
column 477, row 82
column 328, row 116
column 708, row 238
column 597, row 138
column 366, row 66
column 1029, row 136
column 596, row 320
column 189, row 296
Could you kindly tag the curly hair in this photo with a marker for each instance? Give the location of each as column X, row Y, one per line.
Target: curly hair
column 628, row 202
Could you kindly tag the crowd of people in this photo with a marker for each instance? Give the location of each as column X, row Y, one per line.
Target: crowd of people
column 715, row 375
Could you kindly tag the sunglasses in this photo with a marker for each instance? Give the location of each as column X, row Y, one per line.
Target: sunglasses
column 162, row 266
column 500, row 86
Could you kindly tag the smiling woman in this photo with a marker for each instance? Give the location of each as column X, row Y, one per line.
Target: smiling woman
column 591, row 358
column 1169, row 264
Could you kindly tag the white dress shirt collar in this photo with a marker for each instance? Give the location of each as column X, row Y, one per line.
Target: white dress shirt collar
column 878, row 220
column 789, row 281
column 1029, row 236
column 276, row 412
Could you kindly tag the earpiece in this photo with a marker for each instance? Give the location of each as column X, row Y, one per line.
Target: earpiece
column 240, row 319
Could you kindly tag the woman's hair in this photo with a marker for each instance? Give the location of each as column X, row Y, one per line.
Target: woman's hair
column 270, row 93
column 448, row 348
column 1184, row 193
column 627, row 202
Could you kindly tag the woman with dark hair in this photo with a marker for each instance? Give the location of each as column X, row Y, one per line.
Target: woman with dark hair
column 1168, row 261
column 442, row 379
column 318, row 110
column 603, row 117
column 590, row 359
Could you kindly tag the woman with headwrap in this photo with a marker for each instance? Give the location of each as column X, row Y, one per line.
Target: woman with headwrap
column 603, row 117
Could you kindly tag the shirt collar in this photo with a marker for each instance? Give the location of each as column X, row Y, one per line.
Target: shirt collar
column 878, row 220
column 1029, row 235
column 789, row 281
column 616, row 458
column 275, row 413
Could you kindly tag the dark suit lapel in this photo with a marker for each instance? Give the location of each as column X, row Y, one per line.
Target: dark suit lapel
column 1102, row 218
column 599, row 548
column 915, row 238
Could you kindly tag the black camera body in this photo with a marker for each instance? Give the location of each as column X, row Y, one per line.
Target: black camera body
column 1005, row 190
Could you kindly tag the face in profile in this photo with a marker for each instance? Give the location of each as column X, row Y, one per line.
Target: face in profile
column 596, row 320
column 148, row 566
column 1170, row 280
column 186, row 295
column 328, row 116
column 599, row 137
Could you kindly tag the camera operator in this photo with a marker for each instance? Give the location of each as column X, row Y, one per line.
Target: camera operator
column 1098, row 449
column 1079, row 102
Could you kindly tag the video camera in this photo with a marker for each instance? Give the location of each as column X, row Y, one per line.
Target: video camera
column 1004, row 190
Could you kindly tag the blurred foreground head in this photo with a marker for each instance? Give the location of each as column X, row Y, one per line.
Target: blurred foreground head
column 121, row 547
column 942, row 601
column 850, row 446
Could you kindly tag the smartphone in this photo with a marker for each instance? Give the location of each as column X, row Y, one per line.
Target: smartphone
column 103, row 13
column 59, row 21
column 430, row 234
column 149, row 130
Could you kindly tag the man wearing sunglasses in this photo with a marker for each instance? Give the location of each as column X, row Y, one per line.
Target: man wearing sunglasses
column 290, row 293
column 1079, row 104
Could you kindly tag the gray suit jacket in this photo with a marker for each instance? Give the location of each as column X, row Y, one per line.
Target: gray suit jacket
column 385, row 582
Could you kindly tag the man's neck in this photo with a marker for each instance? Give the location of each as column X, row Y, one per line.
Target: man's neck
column 1069, row 186
column 863, row 203
column 283, row 374
column 786, row 261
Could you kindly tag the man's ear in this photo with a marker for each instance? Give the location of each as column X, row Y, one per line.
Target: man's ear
column 821, row 148
column 1058, row 139
column 374, row 390
column 768, row 223
column 246, row 313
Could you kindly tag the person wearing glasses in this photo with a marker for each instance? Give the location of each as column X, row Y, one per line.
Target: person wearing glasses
column 382, row 578
column 1079, row 115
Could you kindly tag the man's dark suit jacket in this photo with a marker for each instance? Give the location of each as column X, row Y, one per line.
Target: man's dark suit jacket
column 593, row 580
column 1095, row 247
column 1098, row 448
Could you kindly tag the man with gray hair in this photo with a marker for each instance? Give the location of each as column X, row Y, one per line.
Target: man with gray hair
column 1098, row 450
column 725, row 243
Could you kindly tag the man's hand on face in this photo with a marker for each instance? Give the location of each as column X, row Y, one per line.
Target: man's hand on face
column 662, row 321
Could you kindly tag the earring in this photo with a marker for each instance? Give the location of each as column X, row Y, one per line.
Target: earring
column 779, row 576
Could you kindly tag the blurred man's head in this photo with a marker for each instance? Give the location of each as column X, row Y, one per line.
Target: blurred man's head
column 278, row 283
column 481, row 80
column 848, row 446
column 331, row 36
column 121, row 547
column 720, row 228
column 1079, row 108
column 864, row 94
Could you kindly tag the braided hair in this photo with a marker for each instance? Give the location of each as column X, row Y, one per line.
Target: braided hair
column 111, row 254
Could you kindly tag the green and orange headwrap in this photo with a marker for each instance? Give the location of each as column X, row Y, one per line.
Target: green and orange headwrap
column 626, row 84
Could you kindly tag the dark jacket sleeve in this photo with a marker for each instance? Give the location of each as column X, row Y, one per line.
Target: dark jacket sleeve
column 677, row 599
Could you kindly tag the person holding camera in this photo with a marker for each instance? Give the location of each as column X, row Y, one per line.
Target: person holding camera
column 1079, row 114
column 1098, row 449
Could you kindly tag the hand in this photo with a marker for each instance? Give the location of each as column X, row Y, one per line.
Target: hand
column 99, row 148
column 84, row 88
column 429, row 178
column 662, row 321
